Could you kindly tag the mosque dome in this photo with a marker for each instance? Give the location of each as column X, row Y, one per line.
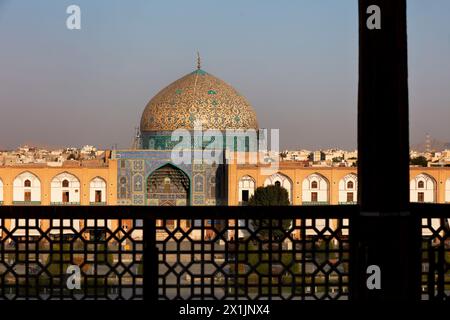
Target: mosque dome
column 198, row 96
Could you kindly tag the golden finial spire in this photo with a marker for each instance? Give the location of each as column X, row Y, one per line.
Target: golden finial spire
column 198, row 61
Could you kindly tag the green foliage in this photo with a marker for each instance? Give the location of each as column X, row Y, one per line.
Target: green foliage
column 140, row 268
column 72, row 157
column 270, row 196
column 260, row 261
column 419, row 161
column 279, row 228
column 103, row 257
column 55, row 259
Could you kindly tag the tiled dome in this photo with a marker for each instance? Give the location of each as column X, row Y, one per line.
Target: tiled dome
column 198, row 96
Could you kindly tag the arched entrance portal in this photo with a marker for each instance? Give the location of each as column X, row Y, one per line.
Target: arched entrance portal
column 168, row 186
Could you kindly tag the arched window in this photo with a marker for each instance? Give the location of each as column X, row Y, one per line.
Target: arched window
column 315, row 188
column 278, row 183
column 246, row 188
column 284, row 181
column 26, row 189
column 423, row 188
column 447, row 191
column 97, row 191
column 348, row 186
column 65, row 189
column 1, row 195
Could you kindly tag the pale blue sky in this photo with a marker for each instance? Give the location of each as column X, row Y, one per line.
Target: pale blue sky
column 296, row 62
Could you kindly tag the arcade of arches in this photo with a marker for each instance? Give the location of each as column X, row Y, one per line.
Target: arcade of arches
column 169, row 185
column 34, row 185
column 330, row 185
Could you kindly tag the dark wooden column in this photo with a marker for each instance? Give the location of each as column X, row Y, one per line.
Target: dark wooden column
column 385, row 234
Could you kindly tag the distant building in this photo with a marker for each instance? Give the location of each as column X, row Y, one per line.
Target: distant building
column 318, row 156
column 150, row 177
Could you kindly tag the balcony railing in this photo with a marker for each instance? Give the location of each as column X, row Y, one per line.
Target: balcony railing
column 315, row 203
column 75, row 203
column 27, row 203
column 289, row 253
column 435, row 274
column 100, row 203
column 347, row 202
column 295, row 258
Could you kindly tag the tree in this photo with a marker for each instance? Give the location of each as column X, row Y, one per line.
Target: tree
column 71, row 157
column 270, row 196
column 419, row 161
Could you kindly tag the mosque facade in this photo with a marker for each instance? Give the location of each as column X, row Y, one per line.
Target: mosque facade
column 150, row 175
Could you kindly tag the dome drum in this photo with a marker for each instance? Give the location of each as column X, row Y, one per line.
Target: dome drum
column 162, row 140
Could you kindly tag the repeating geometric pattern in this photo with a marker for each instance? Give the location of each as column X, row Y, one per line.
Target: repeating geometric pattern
column 244, row 259
column 133, row 185
column 168, row 186
column 37, row 257
column 202, row 97
column 435, row 259
column 301, row 259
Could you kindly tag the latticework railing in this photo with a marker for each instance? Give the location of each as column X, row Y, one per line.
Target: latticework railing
column 197, row 253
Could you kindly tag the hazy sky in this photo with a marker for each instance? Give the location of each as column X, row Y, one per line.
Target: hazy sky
column 295, row 61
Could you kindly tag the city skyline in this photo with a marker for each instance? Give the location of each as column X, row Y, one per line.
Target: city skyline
column 252, row 151
column 89, row 86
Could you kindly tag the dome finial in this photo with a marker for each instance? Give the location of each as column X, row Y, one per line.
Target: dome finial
column 198, row 61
